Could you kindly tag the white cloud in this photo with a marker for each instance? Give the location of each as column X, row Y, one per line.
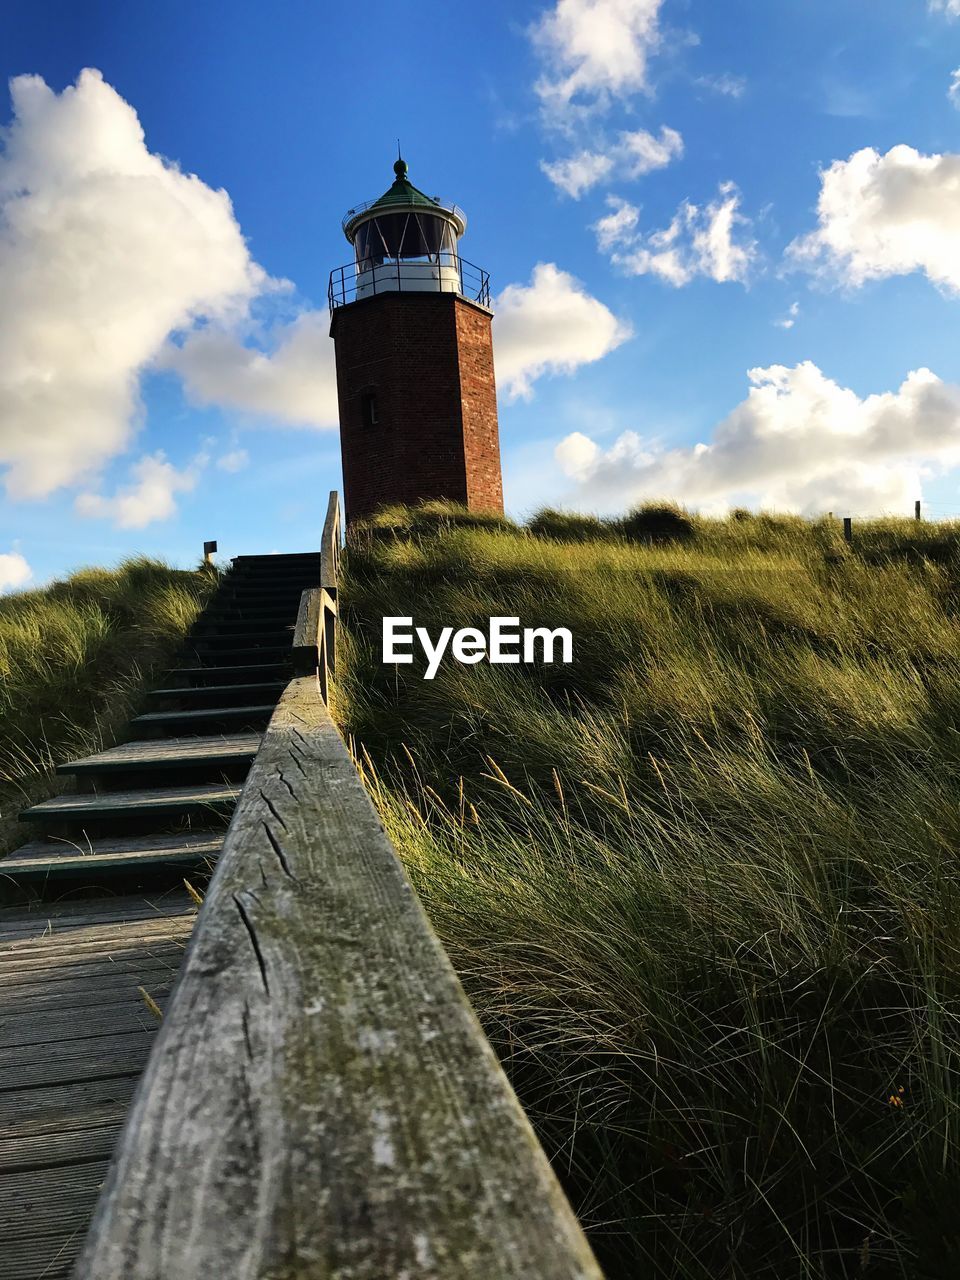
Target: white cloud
column 104, row 249
column 700, row 241
column 14, row 570
column 790, row 319
column 728, row 86
column 799, row 441
column 594, row 49
column 149, row 497
column 551, row 325
column 617, row 227
column 950, row 7
column 633, row 155
column 578, row 173
column 235, row 460
column 295, row 384
column 953, row 93
column 886, row 215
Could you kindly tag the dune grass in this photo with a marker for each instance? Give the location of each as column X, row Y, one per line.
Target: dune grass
column 702, row 885
column 74, row 659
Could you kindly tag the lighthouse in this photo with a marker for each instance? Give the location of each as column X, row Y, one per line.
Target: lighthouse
column 410, row 322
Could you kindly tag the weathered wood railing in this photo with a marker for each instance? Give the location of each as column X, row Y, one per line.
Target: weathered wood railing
column 321, row 1101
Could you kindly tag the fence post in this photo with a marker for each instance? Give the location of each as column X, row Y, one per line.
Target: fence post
column 916, row 509
column 208, row 551
column 848, row 529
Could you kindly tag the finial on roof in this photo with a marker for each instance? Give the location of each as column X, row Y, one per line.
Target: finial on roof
column 400, row 167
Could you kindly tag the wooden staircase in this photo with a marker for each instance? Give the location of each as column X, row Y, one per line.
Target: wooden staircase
column 103, row 915
column 161, row 801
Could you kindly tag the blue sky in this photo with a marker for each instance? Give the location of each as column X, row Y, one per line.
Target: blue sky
column 134, row 302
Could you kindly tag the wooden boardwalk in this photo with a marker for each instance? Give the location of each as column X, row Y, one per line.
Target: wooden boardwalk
column 75, row 1032
column 103, row 912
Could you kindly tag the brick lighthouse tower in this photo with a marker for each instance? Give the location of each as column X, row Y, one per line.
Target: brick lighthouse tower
column 411, row 328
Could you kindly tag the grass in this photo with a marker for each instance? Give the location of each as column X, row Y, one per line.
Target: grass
column 75, row 658
column 703, row 884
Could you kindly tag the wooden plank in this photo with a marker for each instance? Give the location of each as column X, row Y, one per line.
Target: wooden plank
column 321, row 1098
column 36, row 867
column 202, row 649
column 41, row 1257
column 62, row 1108
column 215, row 690
column 108, row 910
column 204, row 713
column 58, row 1024
column 42, row 1150
column 96, row 1058
column 306, row 634
column 49, row 1201
column 86, row 988
column 77, row 946
column 193, row 799
column 102, row 995
column 330, row 545
column 214, row 672
column 163, row 753
column 168, row 953
column 19, row 968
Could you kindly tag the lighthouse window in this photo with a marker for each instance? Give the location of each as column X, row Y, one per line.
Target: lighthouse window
column 368, row 408
column 403, row 236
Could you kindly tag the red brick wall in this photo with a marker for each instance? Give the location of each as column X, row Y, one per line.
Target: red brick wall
column 429, row 360
column 478, row 397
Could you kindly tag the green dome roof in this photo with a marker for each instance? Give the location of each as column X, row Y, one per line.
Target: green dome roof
column 403, row 195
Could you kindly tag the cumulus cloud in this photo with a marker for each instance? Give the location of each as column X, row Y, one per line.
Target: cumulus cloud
column 950, row 7
column 885, row 215
column 594, row 50
column 150, row 495
column 294, row 383
column 953, row 92
column 14, row 571
column 551, row 325
column 633, row 155
column 104, row 249
column 799, row 442
column 700, row 241
column 790, row 319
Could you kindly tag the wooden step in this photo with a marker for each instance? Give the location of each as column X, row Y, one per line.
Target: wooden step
column 161, row 718
column 194, row 692
column 254, row 639
column 282, row 557
column 242, row 653
column 59, row 857
column 216, row 673
column 231, row 624
column 253, row 613
column 203, row 798
column 169, row 753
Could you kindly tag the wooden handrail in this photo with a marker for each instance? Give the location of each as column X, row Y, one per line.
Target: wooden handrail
column 321, row 1100
column 330, row 545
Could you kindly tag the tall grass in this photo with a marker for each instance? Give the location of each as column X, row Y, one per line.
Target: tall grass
column 74, row 659
column 703, row 884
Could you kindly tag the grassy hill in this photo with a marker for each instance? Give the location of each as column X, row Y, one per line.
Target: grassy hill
column 74, row 659
column 703, row 884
